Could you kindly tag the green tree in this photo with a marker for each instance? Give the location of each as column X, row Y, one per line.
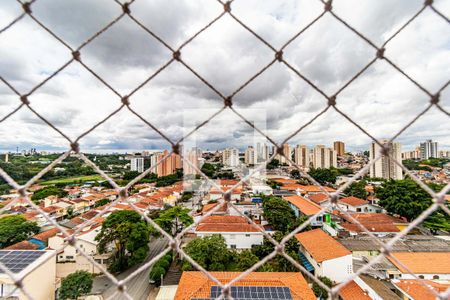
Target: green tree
column 48, row 191
column 210, row 252
column 174, row 219
column 129, row 233
column 403, row 197
column 324, row 176
column 278, row 213
column 246, row 259
column 279, row 263
column 102, row 202
column 357, row 189
column 16, row 228
column 75, row 285
column 319, row 291
column 273, row 164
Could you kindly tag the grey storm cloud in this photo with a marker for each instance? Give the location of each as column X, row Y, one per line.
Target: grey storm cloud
column 382, row 101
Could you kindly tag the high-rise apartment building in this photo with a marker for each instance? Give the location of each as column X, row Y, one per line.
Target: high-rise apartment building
column 287, row 153
column 428, row 149
column 415, row 154
column 250, row 157
column 444, row 154
column 324, row 157
column 137, row 164
column 339, row 147
column 385, row 167
column 262, row 152
column 194, row 156
column 230, row 157
column 301, row 156
column 168, row 166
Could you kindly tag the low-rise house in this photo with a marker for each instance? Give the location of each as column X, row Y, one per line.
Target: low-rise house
column 236, row 231
column 415, row 290
column 366, row 246
column 377, row 223
column 38, row 270
column 354, row 204
column 321, row 199
column 322, row 255
column 256, row 285
column 215, row 194
column 426, row 265
column 305, row 207
column 69, row 259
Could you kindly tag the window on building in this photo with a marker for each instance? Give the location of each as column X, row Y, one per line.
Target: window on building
column 421, row 277
column 98, row 260
column 233, row 246
column 436, row 277
column 319, row 218
column 247, row 235
column 232, row 236
column 391, row 276
column 358, row 209
column 69, row 257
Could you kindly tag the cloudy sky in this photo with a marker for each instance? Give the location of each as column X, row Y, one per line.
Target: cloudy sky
column 382, row 100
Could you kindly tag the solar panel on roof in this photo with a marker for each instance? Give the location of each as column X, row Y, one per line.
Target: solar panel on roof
column 18, row 260
column 252, row 292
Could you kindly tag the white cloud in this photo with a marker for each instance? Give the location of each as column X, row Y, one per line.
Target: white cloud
column 381, row 100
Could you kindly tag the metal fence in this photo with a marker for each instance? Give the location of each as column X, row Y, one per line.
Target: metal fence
column 75, row 57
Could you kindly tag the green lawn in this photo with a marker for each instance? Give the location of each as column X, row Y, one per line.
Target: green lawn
column 72, row 179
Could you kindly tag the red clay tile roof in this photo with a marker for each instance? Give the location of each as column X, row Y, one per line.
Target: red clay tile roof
column 23, row 245
column 224, row 219
column 197, row 285
column 319, row 198
column 223, row 227
column 306, row 206
column 225, row 224
column 291, row 187
column 422, row 262
column 320, row 245
column 45, row 235
column 284, row 181
column 416, row 290
column 353, row 201
column 352, row 291
column 208, row 207
column 374, row 222
column 316, row 189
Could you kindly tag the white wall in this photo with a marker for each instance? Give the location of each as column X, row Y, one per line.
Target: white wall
column 338, row 269
column 242, row 240
column 363, row 208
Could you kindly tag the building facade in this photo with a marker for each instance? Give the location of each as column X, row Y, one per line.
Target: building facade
column 137, row 164
column 428, row 149
column 250, row 157
column 324, row 157
column 339, row 147
column 230, row 157
column 301, row 156
column 385, row 167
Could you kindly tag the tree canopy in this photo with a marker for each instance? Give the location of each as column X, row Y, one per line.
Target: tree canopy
column 129, row 233
column 278, row 213
column 403, row 197
column 210, row 252
column 324, row 176
column 357, row 189
column 16, row 228
column 48, row 191
column 174, row 219
column 75, row 285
